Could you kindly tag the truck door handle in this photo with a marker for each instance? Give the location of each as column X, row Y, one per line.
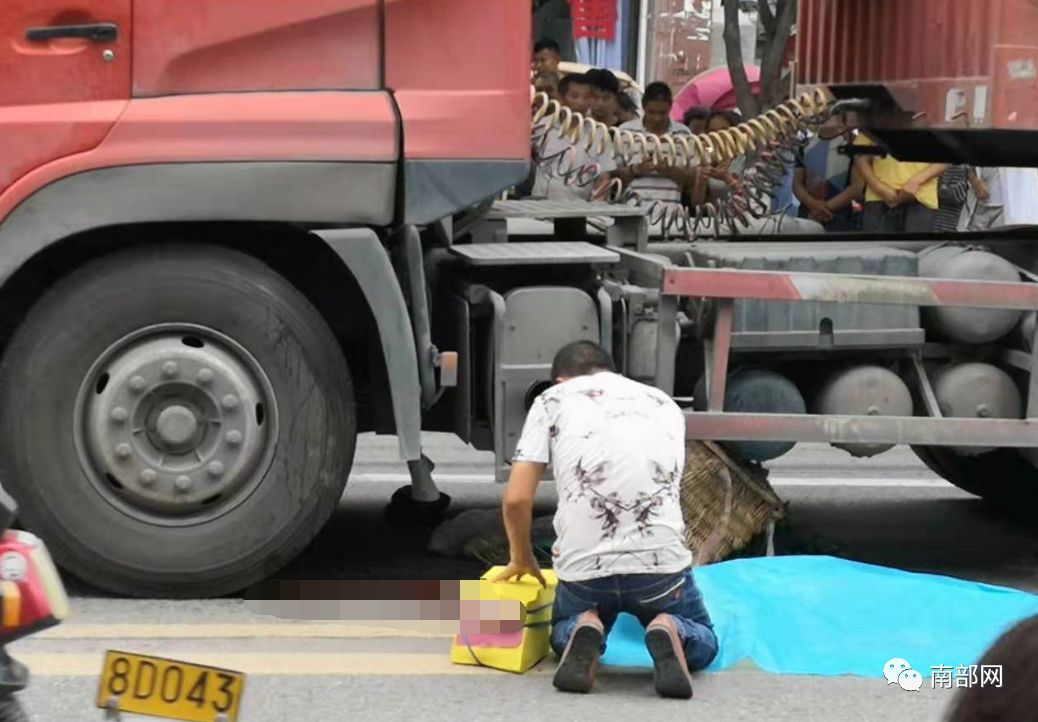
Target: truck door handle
column 96, row 32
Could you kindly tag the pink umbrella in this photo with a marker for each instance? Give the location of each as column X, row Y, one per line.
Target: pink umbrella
column 712, row 89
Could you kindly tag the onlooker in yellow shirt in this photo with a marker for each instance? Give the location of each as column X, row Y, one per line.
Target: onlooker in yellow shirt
column 899, row 196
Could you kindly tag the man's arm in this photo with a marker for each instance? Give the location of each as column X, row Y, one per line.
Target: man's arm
column 628, row 173
column 817, row 207
column 532, row 454
column 682, row 175
column 800, row 188
column 700, row 186
column 980, row 188
column 916, row 182
column 855, row 189
column 517, row 508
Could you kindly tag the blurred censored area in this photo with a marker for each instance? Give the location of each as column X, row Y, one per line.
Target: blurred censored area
column 450, row 607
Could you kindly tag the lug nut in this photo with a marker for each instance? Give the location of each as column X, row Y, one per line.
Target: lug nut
column 215, row 469
column 983, row 411
column 120, row 414
column 123, row 451
column 233, row 437
column 205, row 376
column 170, row 369
column 148, row 477
column 183, row 484
column 137, row 383
column 230, row 402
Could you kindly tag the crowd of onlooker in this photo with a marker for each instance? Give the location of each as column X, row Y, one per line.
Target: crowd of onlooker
column 585, row 173
column 871, row 191
column 841, row 191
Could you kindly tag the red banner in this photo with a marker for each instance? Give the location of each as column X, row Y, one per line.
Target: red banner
column 594, row 19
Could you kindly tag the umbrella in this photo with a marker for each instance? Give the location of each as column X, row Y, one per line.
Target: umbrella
column 712, row 89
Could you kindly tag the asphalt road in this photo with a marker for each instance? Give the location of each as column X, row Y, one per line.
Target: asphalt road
column 889, row 510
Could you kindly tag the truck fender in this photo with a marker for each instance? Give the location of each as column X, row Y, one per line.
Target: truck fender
column 338, row 193
column 364, row 255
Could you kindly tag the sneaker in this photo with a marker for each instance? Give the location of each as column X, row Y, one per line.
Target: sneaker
column 670, row 669
column 579, row 664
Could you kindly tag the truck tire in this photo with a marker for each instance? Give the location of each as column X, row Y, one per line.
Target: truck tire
column 11, row 710
column 175, row 422
column 1002, row 477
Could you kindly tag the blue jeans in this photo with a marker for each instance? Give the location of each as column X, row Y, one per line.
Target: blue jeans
column 644, row 596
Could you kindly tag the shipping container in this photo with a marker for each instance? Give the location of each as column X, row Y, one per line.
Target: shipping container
column 947, row 79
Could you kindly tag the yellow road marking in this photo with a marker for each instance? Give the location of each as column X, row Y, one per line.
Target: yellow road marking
column 277, row 664
column 242, row 631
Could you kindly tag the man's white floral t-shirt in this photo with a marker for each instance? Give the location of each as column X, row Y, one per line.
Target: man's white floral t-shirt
column 617, row 450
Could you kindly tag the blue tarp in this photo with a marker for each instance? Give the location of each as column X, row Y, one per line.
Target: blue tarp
column 820, row 615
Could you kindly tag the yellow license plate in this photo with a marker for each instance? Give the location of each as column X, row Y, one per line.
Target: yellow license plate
column 168, row 688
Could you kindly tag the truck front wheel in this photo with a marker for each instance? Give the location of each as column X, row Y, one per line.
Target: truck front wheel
column 175, row 421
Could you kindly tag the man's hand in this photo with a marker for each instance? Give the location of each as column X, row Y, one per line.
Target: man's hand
column 912, row 188
column 819, row 211
column 833, row 207
column 518, row 568
column 719, row 172
column 890, row 196
column 982, row 190
column 644, row 169
column 821, row 214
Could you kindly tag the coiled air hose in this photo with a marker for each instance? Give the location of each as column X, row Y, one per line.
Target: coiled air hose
column 769, row 142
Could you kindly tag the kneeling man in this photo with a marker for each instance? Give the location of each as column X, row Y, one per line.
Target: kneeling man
column 617, row 450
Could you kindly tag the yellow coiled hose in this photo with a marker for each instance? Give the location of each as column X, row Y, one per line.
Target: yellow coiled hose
column 770, row 139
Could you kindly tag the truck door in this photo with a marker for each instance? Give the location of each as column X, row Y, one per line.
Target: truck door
column 65, row 67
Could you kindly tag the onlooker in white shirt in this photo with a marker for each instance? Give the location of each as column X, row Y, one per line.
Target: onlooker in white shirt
column 568, row 170
column 1000, row 197
column 657, row 180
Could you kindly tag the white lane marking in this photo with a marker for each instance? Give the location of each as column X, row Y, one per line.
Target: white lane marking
column 778, row 481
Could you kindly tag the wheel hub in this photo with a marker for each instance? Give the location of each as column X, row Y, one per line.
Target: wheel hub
column 175, row 423
column 176, row 426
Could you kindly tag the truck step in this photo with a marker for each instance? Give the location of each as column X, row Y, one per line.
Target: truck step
column 535, row 253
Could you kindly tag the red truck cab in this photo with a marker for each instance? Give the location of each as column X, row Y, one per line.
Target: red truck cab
column 203, row 211
column 366, row 84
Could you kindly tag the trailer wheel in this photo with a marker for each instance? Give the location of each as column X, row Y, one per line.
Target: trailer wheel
column 1003, row 476
column 175, row 422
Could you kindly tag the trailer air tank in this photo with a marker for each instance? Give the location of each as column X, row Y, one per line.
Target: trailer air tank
column 864, row 391
column 968, row 325
column 757, row 392
column 976, row 390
